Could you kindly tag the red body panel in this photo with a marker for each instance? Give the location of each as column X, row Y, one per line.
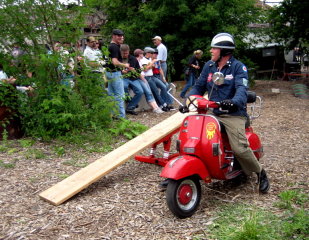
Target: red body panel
column 255, row 143
column 184, row 166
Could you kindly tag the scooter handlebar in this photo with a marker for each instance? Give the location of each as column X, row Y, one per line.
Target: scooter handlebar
column 196, row 103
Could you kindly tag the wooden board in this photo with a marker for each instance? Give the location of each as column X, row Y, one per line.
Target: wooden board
column 80, row 180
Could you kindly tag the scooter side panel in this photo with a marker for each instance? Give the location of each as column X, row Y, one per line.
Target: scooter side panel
column 210, row 138
column 254, row 143
column 184, row 166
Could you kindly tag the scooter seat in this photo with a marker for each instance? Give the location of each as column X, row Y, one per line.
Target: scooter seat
column 251, row 97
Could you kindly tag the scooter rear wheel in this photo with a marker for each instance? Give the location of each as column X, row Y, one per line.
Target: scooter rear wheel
column 183, row 196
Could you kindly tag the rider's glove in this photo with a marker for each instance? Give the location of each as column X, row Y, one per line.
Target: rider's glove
column 228, row 104
column 183, row 109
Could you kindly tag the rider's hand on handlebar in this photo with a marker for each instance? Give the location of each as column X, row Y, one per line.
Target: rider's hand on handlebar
column 183, row 109
column 228, row 104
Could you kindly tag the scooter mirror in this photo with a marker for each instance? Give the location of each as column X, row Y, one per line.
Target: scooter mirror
column 218, row 78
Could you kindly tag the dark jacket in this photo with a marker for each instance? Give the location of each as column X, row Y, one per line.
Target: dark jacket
column 234, row 86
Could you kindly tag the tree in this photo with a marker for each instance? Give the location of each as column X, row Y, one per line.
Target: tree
column 290, row 23
column 184, row 25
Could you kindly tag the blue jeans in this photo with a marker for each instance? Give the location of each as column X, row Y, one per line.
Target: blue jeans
column 116, row 89
column 156, row 84
column 147, row 91
column 164, row 68
column 190, row 83
column 137, row 90
column 169, row 100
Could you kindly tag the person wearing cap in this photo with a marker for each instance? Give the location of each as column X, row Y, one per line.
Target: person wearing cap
column 113, row 71
column 232, row 95
column 139, row 55
column 155, row 84
column 162, row 53
column 93, row 56
column 194, row 66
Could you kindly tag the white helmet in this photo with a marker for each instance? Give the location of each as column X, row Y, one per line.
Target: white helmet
column 223, row 40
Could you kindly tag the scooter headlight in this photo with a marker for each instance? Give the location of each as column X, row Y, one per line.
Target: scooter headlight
column 192, row 103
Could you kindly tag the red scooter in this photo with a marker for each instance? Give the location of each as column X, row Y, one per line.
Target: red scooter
column 203, row 153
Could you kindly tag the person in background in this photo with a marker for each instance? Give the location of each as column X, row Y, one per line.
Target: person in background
column 11, row 80
column 162, row 54
column 194, row 67
column 113, row 71
column 93, row 56
column 155, row 84
column 65, row 64
column 130, row 79
column 232, row 95
column 159, row 74
column 139, row 54
column 157, row 69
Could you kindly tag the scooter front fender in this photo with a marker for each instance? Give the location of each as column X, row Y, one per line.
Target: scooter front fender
column 184, row 166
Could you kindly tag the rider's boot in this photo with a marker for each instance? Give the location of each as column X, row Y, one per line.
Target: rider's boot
column 263, row 182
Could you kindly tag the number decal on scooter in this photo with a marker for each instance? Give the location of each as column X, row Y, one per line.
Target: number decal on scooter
column 210, row 130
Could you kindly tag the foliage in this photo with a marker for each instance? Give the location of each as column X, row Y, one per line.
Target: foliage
column 184, row 25
column 289, row 198
column 56, row 108
column 127, row 128
column 239, row 221
column 290, row 23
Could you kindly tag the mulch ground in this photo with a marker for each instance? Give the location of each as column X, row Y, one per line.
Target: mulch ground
column 127, row 203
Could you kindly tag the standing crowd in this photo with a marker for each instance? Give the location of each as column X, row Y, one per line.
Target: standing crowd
column 144, row 73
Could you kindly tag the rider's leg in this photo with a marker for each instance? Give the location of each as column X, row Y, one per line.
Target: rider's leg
column 235, row 129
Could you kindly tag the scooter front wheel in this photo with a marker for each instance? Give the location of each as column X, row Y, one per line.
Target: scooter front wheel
column 183, row 196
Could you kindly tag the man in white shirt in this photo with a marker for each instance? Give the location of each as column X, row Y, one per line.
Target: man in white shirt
column 93, row 56
column 162, row 53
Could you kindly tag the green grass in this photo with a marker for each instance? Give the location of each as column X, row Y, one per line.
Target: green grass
column 242, row 222
column 75, row 163
column 33, row 153
column 7, row 165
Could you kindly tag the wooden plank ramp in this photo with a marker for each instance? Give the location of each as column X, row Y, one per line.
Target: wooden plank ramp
column 80, row 180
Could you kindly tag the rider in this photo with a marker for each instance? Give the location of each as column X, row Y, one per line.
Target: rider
column 232, row 95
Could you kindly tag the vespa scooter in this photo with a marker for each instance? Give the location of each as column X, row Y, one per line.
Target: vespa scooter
column 204, row 153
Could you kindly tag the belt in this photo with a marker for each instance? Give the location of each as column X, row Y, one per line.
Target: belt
column 162, row 61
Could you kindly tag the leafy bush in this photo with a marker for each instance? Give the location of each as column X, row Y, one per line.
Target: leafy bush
column 56, row 109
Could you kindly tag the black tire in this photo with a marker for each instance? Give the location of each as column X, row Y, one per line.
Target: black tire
column 183, row 196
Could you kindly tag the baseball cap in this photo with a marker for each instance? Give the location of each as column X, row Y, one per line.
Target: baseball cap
column 138, row 52
column 117, row 32
column 157, row 38
column 149, row 50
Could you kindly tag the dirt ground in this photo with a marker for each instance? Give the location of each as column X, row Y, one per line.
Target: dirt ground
column 127, row 203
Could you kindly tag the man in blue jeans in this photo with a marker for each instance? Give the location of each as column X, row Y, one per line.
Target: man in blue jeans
column 131, row 76
column 113, row 71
